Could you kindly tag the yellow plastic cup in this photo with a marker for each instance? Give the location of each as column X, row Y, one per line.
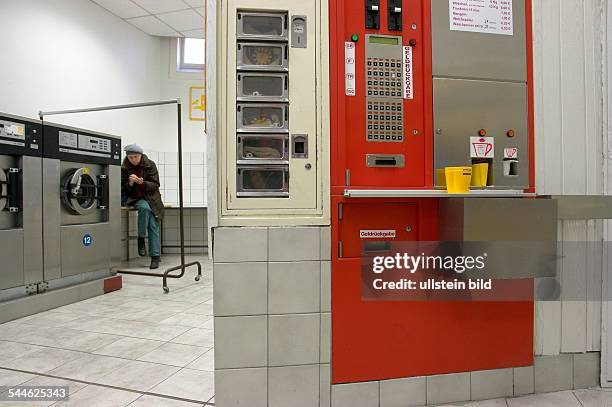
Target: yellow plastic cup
column 480, row 174
column 458, row 179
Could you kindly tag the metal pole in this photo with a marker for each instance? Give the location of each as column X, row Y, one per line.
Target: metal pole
column 41, row 113
column 180, row 175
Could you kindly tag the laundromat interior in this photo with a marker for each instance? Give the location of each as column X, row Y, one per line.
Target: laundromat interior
column 313, row 203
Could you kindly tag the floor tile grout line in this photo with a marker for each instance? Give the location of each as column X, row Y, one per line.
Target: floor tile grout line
column 576, row 397
column 110, row 356
column 148, row 393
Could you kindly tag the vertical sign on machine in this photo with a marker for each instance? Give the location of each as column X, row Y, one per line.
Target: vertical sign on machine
column 349, row 62
column 407, row 73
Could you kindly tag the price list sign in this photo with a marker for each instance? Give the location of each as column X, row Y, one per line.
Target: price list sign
column 481, row 16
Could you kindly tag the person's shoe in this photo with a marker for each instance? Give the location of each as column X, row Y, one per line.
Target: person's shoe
column 141, row 247
column 154, row 262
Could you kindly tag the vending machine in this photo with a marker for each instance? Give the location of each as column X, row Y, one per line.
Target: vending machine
column 418, row 86
column 274, row 148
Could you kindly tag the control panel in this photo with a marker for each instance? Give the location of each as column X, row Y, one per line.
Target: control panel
column 72, row 144
column 20, row 136
column 383, row 85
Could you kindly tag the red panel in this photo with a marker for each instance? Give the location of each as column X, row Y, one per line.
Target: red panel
column 348, row 114
column 112, row 284
column 385, row 340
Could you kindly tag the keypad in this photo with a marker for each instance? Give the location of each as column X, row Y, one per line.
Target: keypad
column 385, row 112
column 385, row 121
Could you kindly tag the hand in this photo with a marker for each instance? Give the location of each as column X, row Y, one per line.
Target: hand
column 139, row 181
column 133, row 178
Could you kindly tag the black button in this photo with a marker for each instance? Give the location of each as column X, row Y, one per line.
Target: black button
column 388, row 127
column 388, row 108
column 388, row 117
column 386, row 73
column 370, row 83
column 369, row 92
column 386, row 83
column 393, row 137
column 392, row 127
column 369, row 63
column 369, row 117
column 400, row 138
column 369, row 127
column 388, row 137
column 387, row 64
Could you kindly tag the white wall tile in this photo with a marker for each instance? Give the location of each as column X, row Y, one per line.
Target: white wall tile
column 171, row 158
column 197, row 196
column 197, row 158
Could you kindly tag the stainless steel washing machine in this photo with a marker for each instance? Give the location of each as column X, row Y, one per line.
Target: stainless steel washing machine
column 21, row 256
column 82, row 203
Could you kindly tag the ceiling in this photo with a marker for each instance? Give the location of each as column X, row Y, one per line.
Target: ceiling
column 165, row 18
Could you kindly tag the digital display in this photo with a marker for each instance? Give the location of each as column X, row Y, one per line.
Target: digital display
column 384, row 40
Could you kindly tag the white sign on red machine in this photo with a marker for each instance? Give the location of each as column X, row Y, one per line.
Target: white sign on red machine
column 482, row 147
column 511, row 153
column 349, row 68
column 407, row 78
column 481, row 16
column 377, row 234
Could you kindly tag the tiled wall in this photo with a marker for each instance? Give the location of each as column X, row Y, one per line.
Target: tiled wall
column 272, row 307
column 195, row 224
column 549, row 374
column 194, row 177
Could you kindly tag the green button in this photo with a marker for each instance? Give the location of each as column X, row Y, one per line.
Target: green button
column 354, row 38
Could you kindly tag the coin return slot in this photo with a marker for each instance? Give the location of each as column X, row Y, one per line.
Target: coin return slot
column 386, row 161
column 300, row 146
column 376, row 247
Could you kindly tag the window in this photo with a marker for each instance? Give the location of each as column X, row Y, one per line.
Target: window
column 191, row 54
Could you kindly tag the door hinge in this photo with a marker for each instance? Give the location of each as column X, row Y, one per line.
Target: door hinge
column 347, row 177
column 42, row 287
column 340, row 211
column 339, row 249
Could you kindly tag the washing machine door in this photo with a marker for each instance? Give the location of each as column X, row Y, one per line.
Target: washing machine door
column 81, row 192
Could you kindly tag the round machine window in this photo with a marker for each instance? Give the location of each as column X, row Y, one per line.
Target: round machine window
column 79, row 192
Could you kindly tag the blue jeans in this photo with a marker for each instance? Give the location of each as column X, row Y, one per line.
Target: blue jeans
column 147, row 222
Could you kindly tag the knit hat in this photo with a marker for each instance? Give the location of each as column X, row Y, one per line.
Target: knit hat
column 133, row 149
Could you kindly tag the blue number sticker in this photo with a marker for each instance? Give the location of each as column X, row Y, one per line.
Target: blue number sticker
column 87, row 240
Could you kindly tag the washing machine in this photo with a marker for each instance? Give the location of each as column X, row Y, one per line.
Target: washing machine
column 82, row 204
column 21, row 252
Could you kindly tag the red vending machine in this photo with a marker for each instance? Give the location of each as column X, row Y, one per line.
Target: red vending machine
column 418, row 86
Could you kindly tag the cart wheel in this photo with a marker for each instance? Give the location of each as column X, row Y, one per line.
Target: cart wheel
column 197, row 278
column 166, row 290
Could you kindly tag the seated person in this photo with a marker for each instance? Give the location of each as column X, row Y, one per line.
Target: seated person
column 140, row 187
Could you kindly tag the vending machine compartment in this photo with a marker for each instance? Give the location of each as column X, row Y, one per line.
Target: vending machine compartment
column 262, row 26
column 261, row 56
column 262, row 87
column 263, row 149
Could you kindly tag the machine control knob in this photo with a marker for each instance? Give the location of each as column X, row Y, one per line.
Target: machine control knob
column 412, row 42
column 308, row 166
column 482, row 132
column 510, row 133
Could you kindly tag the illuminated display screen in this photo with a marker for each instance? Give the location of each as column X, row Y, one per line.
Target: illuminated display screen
column 384, row 40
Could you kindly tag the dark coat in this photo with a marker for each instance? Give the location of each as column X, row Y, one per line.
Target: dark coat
column 151, row 184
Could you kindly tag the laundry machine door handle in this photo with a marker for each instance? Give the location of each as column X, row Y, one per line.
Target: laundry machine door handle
column 103, row 194
column 10, row 190
column 14, row 190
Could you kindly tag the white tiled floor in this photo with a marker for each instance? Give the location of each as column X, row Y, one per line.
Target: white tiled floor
column 114, row 348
